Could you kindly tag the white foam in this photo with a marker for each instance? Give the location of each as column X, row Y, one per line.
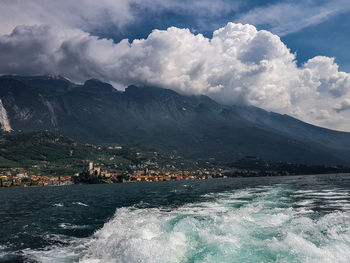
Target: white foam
column 264, row 229
column 220, row 232
column 305, row 203
column 2, row 251
column 71, row 226
column 79, row 203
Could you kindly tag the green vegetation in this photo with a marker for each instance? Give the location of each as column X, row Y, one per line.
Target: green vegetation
column 50, row 153
column 47, row 153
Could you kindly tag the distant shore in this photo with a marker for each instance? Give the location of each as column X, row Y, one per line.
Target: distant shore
column 43, row 181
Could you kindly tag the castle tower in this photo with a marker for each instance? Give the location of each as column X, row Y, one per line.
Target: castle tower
column 91, row 167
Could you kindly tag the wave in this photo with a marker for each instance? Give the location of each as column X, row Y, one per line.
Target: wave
column 261, row 224
column 71, row 226
column 227, row 228
column 71, row 252
column 2, row 251
column 79, row 203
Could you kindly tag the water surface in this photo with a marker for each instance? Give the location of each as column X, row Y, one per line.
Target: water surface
column 269, row 219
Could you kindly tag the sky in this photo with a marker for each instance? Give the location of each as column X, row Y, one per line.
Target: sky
column 289, row 57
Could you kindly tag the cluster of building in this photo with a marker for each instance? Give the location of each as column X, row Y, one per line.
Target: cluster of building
column 25, row 180
column 154, row 176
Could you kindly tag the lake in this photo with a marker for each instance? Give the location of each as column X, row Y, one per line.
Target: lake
column 266, row 219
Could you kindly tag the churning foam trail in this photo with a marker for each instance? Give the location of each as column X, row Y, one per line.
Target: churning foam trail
column 261, row 224
column 252, row 225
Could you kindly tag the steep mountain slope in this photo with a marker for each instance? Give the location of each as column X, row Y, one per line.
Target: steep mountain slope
column 194, row 126
column 293, row 127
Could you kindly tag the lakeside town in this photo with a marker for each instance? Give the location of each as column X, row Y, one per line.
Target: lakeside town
column 48, row 159
column 94, row 174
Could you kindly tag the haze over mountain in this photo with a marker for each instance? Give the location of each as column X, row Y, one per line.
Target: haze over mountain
column 194, row 126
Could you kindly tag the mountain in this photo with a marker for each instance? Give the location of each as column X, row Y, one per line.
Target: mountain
column 193, row 126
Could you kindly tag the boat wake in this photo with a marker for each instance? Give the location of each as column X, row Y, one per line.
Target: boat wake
column 261, row 224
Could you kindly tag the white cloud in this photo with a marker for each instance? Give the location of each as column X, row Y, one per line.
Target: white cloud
column 327, row 73
column 239, row 64
column 287, row 17
column 97, row 15
column 343, row 106
column 87, row 14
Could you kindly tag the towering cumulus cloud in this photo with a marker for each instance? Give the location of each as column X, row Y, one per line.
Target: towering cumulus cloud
column 239, row 64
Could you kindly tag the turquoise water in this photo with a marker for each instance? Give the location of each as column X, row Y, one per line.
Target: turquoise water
column 282, row 219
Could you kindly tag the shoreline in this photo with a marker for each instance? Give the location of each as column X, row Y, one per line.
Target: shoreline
column 189, row 179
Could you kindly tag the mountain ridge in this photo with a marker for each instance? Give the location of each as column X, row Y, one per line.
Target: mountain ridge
column 195, row 126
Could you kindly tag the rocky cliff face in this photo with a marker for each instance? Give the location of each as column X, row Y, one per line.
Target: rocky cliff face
column 194, row 126
column 4, row 121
